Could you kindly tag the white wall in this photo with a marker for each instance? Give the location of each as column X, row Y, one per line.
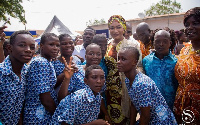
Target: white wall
column 155, row 22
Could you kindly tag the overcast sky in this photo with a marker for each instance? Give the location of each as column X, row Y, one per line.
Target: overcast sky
column 75, row 13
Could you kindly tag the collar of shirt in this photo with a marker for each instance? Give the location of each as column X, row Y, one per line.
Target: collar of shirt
column 127, row 82
column 7, row 67
column 90, row 96
column 165, row 57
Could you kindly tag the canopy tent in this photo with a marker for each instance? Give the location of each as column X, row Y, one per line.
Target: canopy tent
column 57, row 27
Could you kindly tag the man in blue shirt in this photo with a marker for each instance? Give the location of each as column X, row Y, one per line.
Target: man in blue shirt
column 159, row 66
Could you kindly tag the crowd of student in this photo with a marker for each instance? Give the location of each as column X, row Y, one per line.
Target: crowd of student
column 150, row 78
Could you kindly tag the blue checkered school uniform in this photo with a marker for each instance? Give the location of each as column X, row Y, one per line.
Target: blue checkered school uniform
column 144, row 93
column 40, row 78
column 79, row 107
column 77, row 80
column 11, row 93
column 59, row 66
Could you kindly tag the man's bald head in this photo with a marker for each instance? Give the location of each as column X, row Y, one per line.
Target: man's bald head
column 143, row 32
column 163, row 33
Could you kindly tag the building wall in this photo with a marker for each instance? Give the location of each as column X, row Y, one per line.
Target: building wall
column 173, row 21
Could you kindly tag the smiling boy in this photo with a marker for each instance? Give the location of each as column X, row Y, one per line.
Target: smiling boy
column 12, row 74
column 82, row 106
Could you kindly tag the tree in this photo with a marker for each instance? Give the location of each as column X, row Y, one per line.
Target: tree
column 163, row 7
column 95, row 22
column 12, row 8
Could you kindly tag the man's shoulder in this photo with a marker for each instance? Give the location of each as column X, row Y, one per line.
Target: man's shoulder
column 148, row 57
column 173, row 57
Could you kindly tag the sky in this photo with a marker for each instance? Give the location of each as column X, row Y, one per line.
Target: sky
column 75, row 13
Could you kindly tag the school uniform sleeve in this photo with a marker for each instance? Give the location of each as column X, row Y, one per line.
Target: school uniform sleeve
column 77, row 81
column 66, row 110
column 40, row 72
column 144, row 90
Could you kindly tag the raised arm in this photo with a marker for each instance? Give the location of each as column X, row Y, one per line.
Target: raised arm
column 68, row 72
column 2, row 40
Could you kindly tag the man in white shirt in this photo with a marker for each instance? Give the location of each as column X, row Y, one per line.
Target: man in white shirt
column 128, row 34
column 79, row 50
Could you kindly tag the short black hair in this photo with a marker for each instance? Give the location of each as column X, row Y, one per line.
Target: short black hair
column 98, row 38
column 47, row 36
column 133, row 50
column 14, row 35
column 90, row 28
column 88, row 47
column 90, row 68
column 62, row 36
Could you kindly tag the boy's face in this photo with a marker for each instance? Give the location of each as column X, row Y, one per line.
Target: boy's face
column 95, row 80
column 23, row 48
column 50, row 48
column 93, row 55
column 126, row 61
column 103, row 45
column 162, row 44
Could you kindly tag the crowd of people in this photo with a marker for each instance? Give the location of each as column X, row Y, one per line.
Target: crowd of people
column 147, row 77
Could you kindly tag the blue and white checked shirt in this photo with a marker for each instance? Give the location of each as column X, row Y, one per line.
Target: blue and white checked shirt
column 11, row 93
column 144, row 93
column 77, row 80
column 79, row 107
column 59, row 66
column 40, row 78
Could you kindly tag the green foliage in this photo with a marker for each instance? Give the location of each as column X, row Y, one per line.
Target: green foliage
column 95, row 22
column 163, row 7
column 12, row 8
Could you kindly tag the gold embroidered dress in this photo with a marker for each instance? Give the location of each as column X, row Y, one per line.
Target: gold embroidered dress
column 187, row 72
column 118, row 102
